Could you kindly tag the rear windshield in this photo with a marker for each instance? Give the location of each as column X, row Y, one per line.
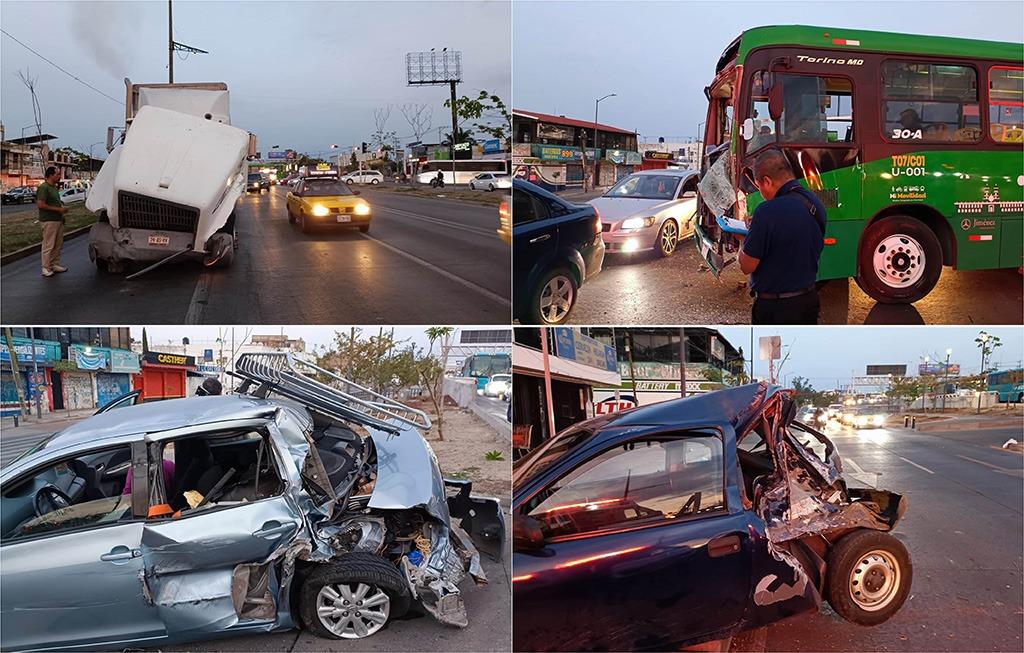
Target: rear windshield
column 255, row 177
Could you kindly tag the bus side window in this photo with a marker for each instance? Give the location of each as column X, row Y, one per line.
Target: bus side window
column 930, row 102
column 1006, row 104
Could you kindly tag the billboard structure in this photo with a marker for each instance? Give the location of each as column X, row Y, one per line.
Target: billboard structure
column 437, row 68
column 883, row 370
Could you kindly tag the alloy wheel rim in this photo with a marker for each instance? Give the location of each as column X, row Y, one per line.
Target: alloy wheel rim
column 669, row 237
column 875, row 580
column 899, row 261
column 556, row 299
column 352, row 610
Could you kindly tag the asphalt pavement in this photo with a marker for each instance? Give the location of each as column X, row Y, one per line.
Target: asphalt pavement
column 424, row 261
column 965, row 533
column 645, row 289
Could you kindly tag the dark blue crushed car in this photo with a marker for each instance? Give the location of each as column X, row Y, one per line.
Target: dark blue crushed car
column 691, row 520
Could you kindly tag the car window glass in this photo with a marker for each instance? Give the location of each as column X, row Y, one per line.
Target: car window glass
column 930, row 102
column 814, row 110
column 1006, row 104
column 637, row 484
column 324, row 188
column 88, row 492
column 524, row 209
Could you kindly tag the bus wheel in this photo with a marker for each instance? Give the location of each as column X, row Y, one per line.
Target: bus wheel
column 900, row 260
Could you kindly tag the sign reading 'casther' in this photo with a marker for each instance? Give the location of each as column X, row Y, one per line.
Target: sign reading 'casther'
column 159, row 358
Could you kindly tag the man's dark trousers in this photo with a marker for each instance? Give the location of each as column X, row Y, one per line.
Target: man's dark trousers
column 802, row 309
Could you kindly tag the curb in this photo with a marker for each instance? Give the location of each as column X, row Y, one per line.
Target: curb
column 971, row 425
column 502, row 426
column 25, row 252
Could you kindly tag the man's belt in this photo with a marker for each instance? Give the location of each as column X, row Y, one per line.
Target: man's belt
column 784, row 295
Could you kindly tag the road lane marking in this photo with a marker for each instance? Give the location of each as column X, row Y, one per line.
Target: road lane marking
column 493, row 296
column 995, row 468
column 200, row 296
column 911, row 462
column 853, row 464
column 480, row 231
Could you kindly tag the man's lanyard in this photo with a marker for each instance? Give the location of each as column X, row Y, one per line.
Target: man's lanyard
column 811, row 208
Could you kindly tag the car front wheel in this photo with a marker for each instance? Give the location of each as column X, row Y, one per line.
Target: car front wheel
column 374, row 182
column 868, row 577
column 668, row 238
column 554, row 297
column 354, row 597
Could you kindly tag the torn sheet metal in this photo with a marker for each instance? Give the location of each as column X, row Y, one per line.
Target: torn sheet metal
column 716, row 187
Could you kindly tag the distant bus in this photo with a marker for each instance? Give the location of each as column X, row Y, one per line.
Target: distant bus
column 912, row 143
column 1008, row 384
column 461, row 171
column 483, row 366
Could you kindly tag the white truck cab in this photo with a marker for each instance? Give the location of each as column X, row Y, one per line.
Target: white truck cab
column 169, row 188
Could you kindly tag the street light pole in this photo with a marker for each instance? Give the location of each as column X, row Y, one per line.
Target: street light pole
column 945, row 385
column 597, row 103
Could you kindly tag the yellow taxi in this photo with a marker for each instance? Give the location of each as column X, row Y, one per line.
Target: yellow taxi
column 321, row 199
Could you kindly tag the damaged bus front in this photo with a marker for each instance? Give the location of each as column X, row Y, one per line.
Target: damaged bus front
column 691, row 520
column 169, row 189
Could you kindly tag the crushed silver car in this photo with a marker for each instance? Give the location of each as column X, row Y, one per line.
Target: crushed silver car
column 301, row 500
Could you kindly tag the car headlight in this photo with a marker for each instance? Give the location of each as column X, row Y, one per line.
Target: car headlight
column 879, row 420
column 362, row 209
column 862, row 421
column 320, row 210
column 637, row 223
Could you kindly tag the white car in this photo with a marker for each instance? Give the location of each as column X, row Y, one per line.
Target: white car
column 499, row 385
column 490, row 181
column 648, row 210
column 372, row 177
column 73, row 194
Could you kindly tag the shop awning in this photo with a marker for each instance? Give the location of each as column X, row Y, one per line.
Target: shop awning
column 531, row 363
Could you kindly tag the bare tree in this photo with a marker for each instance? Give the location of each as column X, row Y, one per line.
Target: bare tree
column 419, row 116
column 37, row 113
column 381, row 136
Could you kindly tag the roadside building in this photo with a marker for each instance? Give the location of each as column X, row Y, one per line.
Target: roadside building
column 548, row 150
column 71, row 369
column 164, row 375
column 648, row 361
column 575, row 365
column 662, row 154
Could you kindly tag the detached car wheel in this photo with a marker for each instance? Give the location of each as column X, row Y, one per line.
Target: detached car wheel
column 869, row 576
column 900, row 260
column 354, row 597
column 554, row 297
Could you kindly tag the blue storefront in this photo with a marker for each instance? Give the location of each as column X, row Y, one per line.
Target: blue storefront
column 29, row 358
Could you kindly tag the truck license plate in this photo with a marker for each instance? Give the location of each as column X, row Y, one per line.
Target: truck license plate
column 344, row 218
column 160, row 240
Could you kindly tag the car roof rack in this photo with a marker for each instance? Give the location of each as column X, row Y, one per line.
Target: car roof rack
column 323, row 391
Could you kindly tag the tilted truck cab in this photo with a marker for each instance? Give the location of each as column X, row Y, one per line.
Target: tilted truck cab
column 169, row 189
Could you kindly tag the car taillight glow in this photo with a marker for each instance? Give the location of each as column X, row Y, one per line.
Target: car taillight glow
column 599, row 556
column 597, row 221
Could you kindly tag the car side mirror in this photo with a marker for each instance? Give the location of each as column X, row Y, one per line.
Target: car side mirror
column 775, row 101
column 526, row 534
column 747, row 129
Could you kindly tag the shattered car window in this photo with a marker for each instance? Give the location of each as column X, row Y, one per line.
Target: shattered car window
column 716, row 188
column 635, row 484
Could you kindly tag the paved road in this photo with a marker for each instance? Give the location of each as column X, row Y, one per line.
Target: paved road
column 680, row 290
column 424, row 261
column 19, row 208
column 15, row 440
column 963, row 528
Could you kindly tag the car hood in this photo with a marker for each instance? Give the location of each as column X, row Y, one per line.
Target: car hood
column 331, row 201
column 614, row 209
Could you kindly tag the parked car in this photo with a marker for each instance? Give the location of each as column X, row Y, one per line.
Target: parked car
column 490, row 181
column 256, row 182
column 691, row 520
column 73, row 194
column 557, row 247
column 326, row 201
column 649, row 210
column 180, row 520
column 372, row 177
column 19, row 195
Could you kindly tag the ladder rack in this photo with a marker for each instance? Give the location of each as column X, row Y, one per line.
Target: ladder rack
column 324, row 391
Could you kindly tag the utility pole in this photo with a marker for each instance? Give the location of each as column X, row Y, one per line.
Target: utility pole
column 632, row 372
column 35, row 374
column 455, row 128
column 547, row 382
column 682, row 362
column 170, row 42
column 16, row 373
column 583, row 159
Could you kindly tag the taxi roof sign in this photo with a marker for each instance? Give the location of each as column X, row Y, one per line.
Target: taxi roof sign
column 322, row 170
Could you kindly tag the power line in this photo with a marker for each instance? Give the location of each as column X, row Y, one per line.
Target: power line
column 77, row 79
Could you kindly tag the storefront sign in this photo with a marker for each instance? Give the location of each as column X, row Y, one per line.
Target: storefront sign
column 124, row 361
column 664, row 156
column 568, row 153
column 491, row 146
column 88, row 358
column 158, row 358
column 45, row 350
column 276, row 154
column 573, row 345
column 554, row 132
column 209, row 370
column 615, row 156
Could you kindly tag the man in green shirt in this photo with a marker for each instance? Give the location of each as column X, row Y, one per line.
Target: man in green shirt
column 51, row 217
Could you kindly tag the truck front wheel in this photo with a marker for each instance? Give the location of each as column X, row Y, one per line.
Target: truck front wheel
column 868, row 577
column 900, row 260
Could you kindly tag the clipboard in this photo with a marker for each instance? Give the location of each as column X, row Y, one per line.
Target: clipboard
column 732, row 225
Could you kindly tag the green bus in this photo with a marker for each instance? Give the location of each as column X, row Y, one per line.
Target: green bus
column 913, row 143
column 1008, row 384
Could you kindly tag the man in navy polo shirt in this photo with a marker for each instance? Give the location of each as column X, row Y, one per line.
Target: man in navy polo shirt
column 782, row 249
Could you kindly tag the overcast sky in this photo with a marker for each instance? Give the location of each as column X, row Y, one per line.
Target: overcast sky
column 659, row 56
column 302, row 75
column 828, row 356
